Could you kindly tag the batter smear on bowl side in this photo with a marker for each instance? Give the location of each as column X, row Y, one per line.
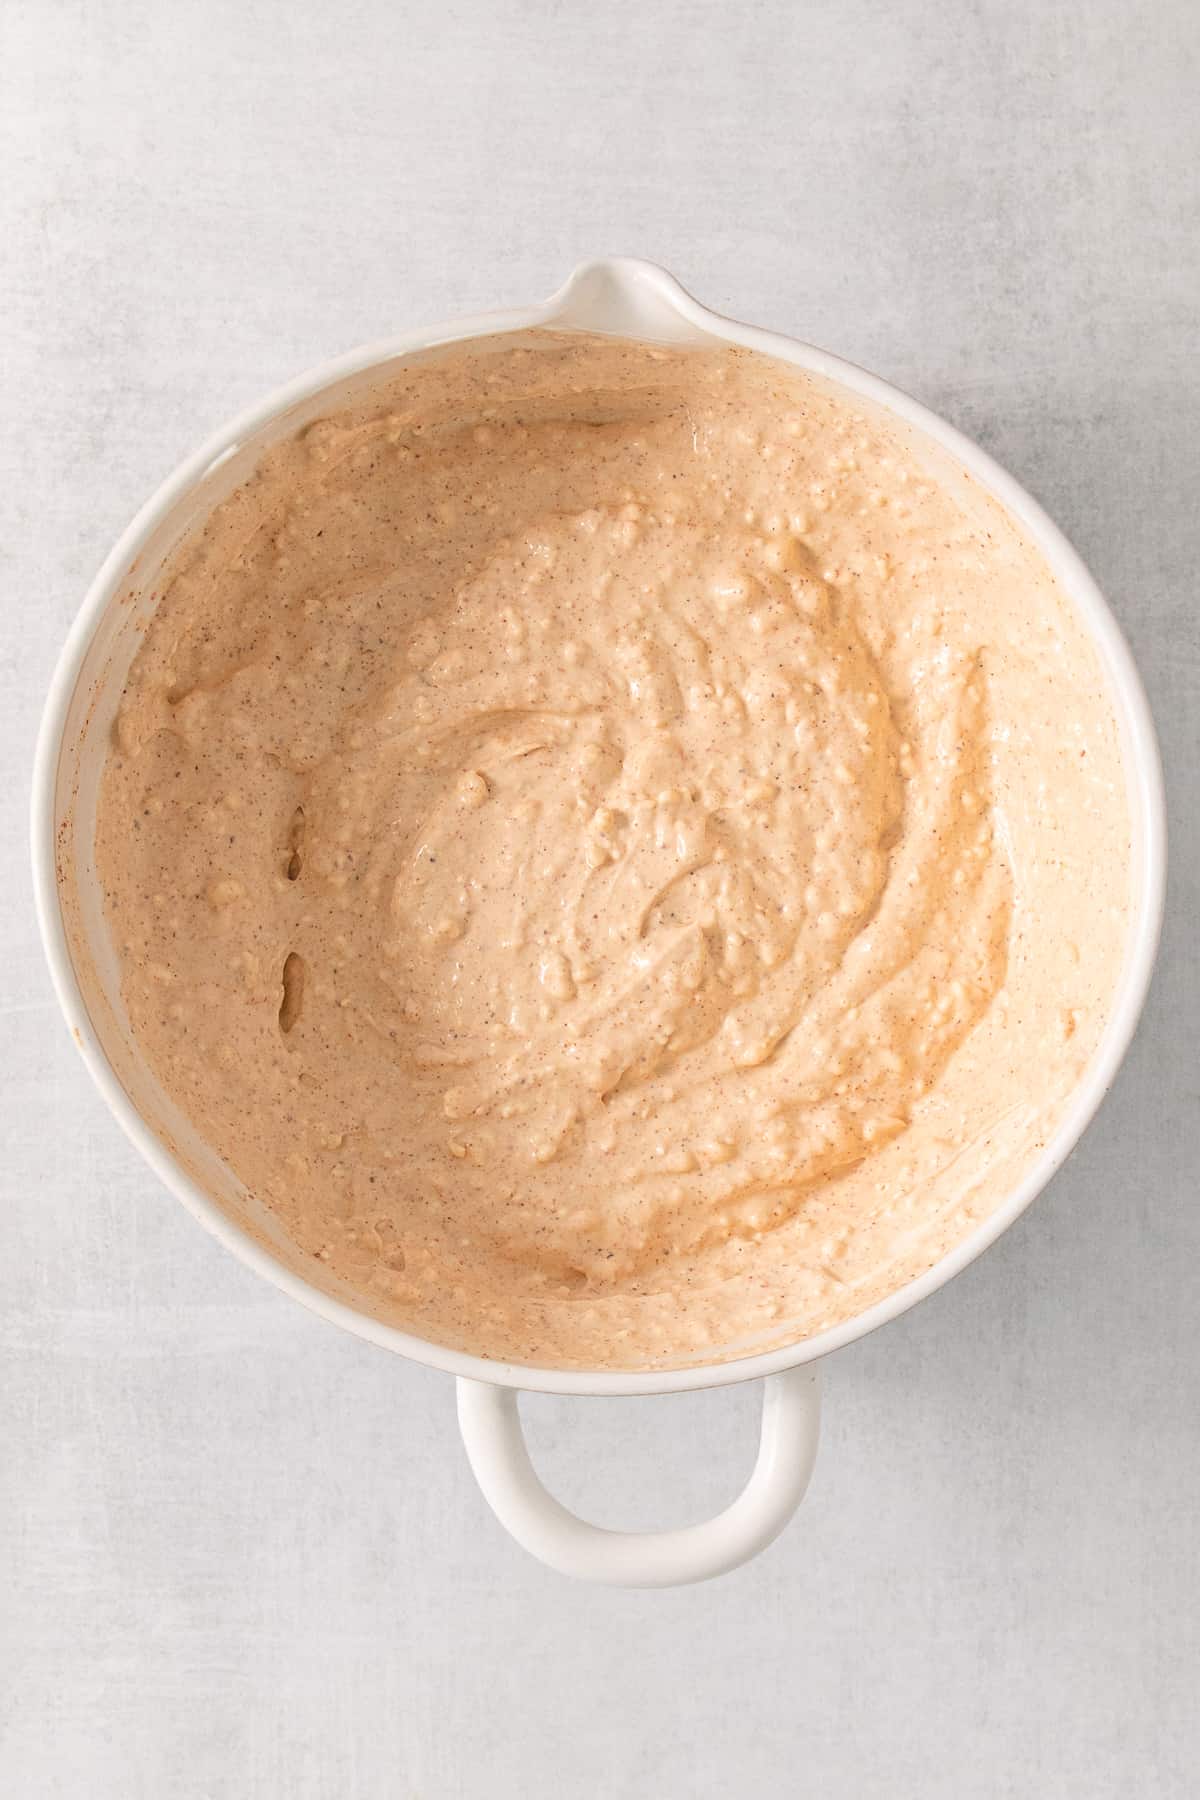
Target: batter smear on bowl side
column 622, row 850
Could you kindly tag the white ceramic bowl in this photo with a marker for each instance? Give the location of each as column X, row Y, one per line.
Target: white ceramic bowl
column 626, row 298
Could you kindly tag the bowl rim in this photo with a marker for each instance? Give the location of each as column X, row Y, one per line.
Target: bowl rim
column 636, row 293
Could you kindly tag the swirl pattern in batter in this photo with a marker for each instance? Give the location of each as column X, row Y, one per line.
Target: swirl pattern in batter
column 579, row 842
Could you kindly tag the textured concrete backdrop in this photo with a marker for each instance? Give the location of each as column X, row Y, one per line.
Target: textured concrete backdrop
column 241, row 1553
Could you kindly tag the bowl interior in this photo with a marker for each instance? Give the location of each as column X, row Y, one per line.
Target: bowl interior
column 83, row 709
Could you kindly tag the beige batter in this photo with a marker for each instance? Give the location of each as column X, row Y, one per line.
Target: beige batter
column 615, row 850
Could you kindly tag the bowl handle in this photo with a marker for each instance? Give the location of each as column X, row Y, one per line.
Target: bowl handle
column 496, row 1449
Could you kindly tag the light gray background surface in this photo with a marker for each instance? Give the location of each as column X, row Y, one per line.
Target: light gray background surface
column 240, row 1553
